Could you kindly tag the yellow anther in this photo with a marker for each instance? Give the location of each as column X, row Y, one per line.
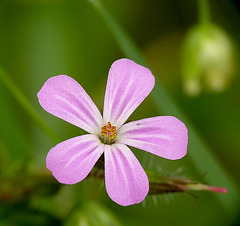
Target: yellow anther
column 109, row 130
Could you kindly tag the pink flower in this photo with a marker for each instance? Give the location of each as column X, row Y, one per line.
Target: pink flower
column 127, row 86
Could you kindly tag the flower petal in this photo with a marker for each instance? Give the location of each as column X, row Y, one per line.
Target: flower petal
column 127, row 86
column 63, row 97
column 165, row 136
column 72, row 160
column 126, row 181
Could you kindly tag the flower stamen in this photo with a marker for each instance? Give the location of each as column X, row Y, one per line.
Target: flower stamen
column 109, row 130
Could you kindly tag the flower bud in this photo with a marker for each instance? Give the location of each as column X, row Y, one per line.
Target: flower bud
column 203, row 187
column 208, row 60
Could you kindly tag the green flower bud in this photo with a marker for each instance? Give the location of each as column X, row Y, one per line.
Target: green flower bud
column 208, row 60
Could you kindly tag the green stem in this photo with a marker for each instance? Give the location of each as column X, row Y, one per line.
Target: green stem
column 25, row 104
column 125, row 43
column 204, row 12
column 20, row 185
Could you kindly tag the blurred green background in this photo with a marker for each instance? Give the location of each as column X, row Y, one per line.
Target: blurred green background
column 43, row 38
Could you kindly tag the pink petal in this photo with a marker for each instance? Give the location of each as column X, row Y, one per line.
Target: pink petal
column 127, row 86
column 72, row 160
column 126, row 181
column 63, row 97
column 165, row 136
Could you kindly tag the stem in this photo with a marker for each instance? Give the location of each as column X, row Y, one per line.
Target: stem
column 21, row 185
column 125, row 43
column 204, row 12
column 25, row 104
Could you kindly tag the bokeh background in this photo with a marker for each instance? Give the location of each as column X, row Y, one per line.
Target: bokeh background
column 43, row 38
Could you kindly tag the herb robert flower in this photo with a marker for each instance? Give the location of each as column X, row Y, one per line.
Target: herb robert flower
column 127, row 86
